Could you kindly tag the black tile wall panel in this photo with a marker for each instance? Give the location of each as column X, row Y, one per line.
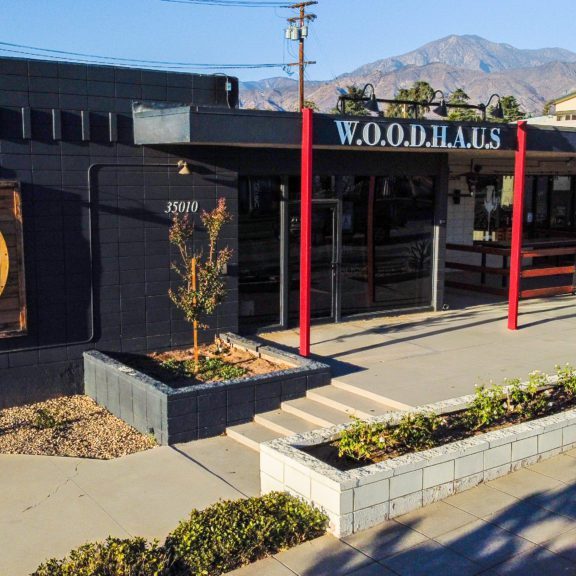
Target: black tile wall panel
column 129, row 308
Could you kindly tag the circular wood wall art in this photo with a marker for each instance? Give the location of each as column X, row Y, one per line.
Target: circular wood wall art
column 4, row 263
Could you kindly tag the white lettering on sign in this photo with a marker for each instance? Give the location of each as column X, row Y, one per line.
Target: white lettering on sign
column 181, row 207
column 372, row 134
column 396, row 134
column 346, row 130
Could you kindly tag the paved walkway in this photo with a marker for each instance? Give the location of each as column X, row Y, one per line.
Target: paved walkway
column 429, row 357
column 523, row 524
column 50, row 505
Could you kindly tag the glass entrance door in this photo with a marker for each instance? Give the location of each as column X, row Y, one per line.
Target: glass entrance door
column 325, row 260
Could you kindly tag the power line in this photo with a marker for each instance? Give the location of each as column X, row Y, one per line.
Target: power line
column 91, row 58
column 232, row 3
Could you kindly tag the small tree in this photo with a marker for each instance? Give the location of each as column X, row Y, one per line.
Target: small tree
column 420, row 92
column 311, row 104
column 547, row 108
column 203, row 286
column 511, row 108
column 461, row 114
column 355, row 106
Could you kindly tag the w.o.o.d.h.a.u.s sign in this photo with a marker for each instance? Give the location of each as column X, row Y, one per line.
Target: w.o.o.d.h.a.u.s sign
column 373, row 134
column 12, row 283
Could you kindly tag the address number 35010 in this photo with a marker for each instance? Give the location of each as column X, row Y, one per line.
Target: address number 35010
column 181, row 207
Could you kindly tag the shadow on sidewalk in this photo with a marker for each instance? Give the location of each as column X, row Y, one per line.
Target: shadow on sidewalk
column 535, row 537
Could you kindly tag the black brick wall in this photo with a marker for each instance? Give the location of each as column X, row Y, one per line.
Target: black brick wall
column 56, row 120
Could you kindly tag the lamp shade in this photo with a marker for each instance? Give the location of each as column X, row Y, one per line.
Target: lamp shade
column 372, row 105
column 497, row 111
column 441, row 109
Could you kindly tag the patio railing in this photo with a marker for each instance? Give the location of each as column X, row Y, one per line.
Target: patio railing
column 503, row 271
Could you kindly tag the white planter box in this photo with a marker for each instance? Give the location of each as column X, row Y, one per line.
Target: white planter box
column 358, row 499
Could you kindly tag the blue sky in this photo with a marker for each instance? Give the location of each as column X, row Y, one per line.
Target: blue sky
column 347, row 33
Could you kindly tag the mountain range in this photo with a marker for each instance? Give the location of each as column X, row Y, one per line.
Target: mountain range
column 472, row 63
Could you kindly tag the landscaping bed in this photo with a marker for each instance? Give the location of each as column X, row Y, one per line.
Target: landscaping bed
column 219, row 539
column 217, row 362
column 494, row 408
column 179, row 413
column 371, row 471
column 73, row 426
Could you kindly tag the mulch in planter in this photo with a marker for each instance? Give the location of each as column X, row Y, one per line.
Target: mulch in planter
column 218, row 362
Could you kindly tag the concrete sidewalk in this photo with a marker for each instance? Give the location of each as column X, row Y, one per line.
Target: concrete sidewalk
column 50, row 505
column 433, row 356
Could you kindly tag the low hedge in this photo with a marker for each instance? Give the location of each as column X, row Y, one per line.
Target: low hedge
column 210, row 542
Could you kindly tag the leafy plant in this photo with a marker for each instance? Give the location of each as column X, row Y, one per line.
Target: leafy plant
column 488, row 406
column 527, row 400
column 113, row 557
column 232, row 533
column 416, row 431
column 567, row 379
column 212, row 368
column 217, row 539
column 203, row 285
column 208, row 369
column 360, row 440
column 44, row 420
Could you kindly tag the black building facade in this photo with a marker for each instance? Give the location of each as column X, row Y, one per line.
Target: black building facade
column 89, row 173
column 94, row 214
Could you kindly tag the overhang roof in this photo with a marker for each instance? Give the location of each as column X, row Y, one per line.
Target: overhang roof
column 157, row 123
column 564, row 98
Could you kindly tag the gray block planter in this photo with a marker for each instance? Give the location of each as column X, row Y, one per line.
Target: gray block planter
column 203, row 410
column 358, row 499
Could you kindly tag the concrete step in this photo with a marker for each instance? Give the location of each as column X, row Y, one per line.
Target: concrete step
column 394, row 404
column 284, row 422
column 251, row 434
column 348, row 402
column 320, row 415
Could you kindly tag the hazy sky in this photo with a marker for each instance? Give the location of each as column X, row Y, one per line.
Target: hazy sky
column 346, row 34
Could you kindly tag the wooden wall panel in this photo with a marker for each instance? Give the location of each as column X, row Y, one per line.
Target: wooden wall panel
column 12, row 278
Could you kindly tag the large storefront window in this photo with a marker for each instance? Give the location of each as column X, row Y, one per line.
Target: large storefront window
column 387, row 243
column 259, row 251
column 549, row 208
column 372, row 246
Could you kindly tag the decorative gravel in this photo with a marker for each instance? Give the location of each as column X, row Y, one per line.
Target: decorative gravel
column 72, row 426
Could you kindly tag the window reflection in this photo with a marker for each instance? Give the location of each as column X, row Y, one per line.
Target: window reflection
column 259, row 251
column 387, row 235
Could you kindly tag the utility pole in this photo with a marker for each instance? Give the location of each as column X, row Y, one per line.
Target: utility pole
column 298, row 31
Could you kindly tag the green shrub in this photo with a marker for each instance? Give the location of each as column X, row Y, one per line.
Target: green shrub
column 416, row 431
column 114, row 557
column 360, row 440
column 567, row 379
column 527, row 400
column 209, row 369
column 232, row 533
column 212, row 368
column 44, row 419
column 488, row 406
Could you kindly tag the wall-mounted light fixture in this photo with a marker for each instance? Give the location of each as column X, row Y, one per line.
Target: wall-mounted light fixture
column 442, row 108
column 183, row 168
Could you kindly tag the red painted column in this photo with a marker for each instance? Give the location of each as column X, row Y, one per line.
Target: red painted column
column 517, row 224
column 306, row 230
